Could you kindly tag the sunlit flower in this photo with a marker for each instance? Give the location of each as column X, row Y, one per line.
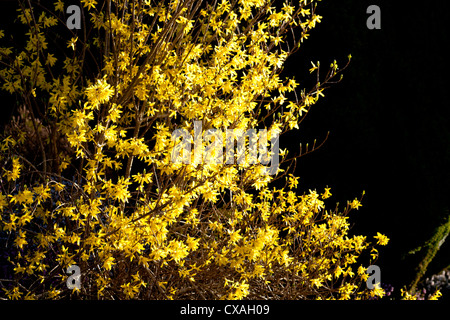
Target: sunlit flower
column 381, row 239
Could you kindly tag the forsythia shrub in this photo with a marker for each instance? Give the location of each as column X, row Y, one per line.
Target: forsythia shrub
column 86, row 171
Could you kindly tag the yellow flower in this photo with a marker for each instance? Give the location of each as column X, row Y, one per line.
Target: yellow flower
column 377, row 291
column 20, row 240
column 51, row 60
column 14, row 293
column 43, row 192
column 406, row 295
column 25, row 197
column 3, row 201
column 59, row 6
column 128, row 206
column 235, row 236
column 314, row 67
column 178, row 250
column 374, row 253
column 59, row 186
column 14, row 174
column 120, row 190
column 355, row 204
column 362, row 272
column 130, row 290
column 192, row 243
column 53, row 293
column 293, row 181
column 108, row 263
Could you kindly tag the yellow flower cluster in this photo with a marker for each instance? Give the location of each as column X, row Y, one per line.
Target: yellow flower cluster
column 105, row 195
column 406, row 295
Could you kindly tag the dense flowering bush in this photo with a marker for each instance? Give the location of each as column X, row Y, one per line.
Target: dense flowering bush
column 87, row 177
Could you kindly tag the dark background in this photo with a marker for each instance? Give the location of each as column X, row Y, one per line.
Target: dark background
column 388, row 121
